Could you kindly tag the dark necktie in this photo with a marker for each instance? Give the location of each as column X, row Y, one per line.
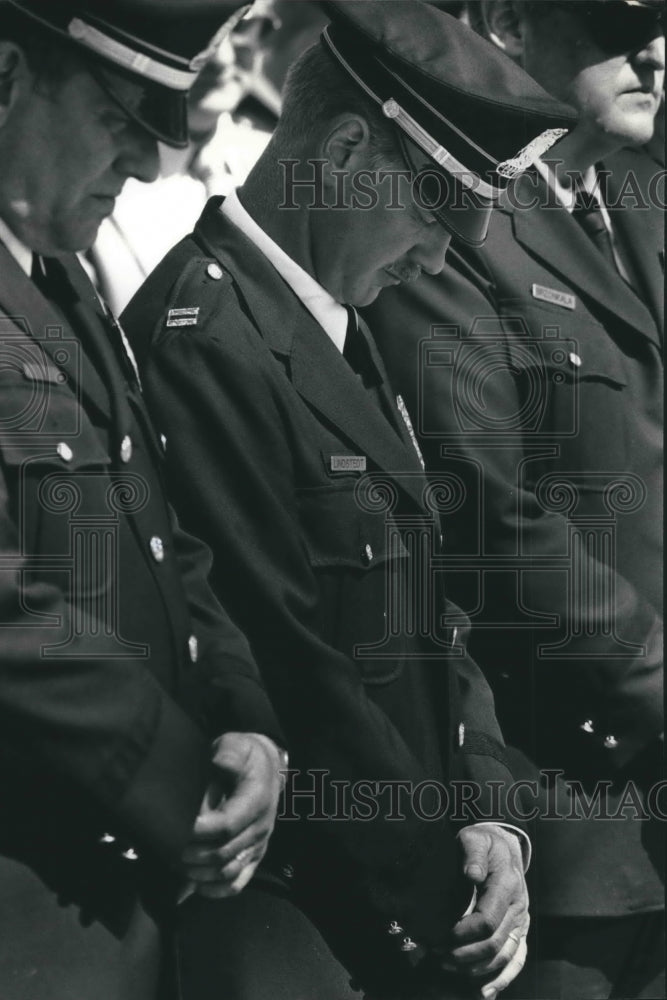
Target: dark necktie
column 588, row 214
column 355, row 349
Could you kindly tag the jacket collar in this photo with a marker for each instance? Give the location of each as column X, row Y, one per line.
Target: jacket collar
column 315, row 367
column 552, row 235
column 28, row 312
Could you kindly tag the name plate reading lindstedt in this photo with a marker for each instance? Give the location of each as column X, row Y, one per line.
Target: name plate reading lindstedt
column 348, row 463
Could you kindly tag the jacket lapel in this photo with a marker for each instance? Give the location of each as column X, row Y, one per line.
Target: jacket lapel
column 639, row 227
column 315, row 367
column 29, row 312
column 554, row 237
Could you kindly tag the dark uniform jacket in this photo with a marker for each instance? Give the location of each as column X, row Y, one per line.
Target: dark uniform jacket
column 535, row 376
column 116, row 667
column 310, row 491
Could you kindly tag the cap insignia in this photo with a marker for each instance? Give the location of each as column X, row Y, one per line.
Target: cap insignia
column 527, row 156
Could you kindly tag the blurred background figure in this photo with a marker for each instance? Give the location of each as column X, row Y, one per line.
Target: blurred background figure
column 234, row 107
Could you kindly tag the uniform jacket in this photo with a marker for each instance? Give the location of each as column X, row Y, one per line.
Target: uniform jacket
column 109, row 636
column 535, row 376
column 307, row 486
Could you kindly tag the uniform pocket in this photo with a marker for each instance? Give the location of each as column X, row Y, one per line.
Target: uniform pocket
column 361, row 565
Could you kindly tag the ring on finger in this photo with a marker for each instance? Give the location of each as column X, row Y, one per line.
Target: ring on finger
column 243, row 855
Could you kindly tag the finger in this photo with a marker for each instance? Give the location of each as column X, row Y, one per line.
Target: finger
column 476, row 845
column 503, row 895
column 226, row 890
column 509, row 973
column 227, row 874
column 503, row 957
column 203, row 852
column 490, row 937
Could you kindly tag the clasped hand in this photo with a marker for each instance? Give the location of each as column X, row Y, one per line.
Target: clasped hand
column 236, row 818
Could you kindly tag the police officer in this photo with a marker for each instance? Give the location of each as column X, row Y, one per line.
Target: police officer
column 288, row 451
column 118, row 667
column 549, row 411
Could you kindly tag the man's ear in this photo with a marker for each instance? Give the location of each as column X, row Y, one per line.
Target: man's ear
column 14, row 76
column 504, row 25
column 347, row 143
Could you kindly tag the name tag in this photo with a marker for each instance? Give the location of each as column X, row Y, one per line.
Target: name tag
column 348, row 463
column 552, row 295
column 183, row 317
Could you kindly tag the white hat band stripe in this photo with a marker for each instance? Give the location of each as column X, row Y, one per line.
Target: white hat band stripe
column 136, row 62
column 468, row 178
column 422, row 138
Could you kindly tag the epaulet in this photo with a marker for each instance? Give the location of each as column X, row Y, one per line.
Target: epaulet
column 197, row 293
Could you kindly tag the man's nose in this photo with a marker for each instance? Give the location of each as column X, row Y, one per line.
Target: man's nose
column 139, row 156
column 652, row 54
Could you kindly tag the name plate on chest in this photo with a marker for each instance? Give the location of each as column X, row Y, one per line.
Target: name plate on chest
column 348, row 463
column 554, row 296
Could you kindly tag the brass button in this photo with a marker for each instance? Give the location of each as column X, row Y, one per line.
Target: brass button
column 193, row 647
column 395, row 928
column 287, row 871
column 462, row 733
column 610, row 742
column 407, row 944
column 574, row 359
column 157, row 549
column 367, row 555
column 107, row 838
column 65, row 452
column 587, row 726
column 130, row 854
column 126, row 449
column 214, row 271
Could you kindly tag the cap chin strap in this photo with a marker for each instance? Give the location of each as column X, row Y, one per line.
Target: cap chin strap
column 467, row 178
column 393, row 110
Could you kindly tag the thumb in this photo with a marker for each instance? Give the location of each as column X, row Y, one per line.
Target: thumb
column 475, row 844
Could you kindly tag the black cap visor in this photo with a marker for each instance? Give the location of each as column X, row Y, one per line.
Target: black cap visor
column 462, row 212
column 163, row 112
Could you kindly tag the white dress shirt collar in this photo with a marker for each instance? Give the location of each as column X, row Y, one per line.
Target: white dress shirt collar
column 331, row 316
column 19, row 251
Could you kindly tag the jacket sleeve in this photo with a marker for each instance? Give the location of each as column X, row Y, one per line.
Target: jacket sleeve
column 611, row 689
column 224, row 688
column 102, row 724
